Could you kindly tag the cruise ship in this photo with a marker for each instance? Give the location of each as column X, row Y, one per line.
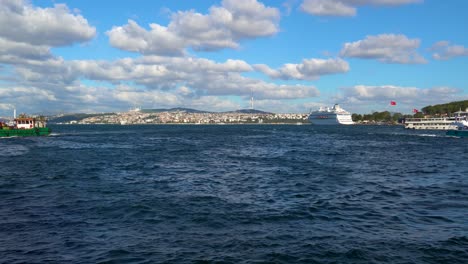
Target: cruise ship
column 436, row 123
column 331, row 116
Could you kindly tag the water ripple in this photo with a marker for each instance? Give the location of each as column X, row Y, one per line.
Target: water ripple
column 234, row 194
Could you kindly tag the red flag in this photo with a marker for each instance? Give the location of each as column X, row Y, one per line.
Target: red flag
column 392, row 103
column 415, row 110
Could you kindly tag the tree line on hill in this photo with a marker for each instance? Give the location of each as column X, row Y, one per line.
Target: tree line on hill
column 445, row 109
column 384, row 116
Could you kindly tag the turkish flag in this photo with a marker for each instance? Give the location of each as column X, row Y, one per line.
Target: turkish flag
column 415, row 110
column 392, row 103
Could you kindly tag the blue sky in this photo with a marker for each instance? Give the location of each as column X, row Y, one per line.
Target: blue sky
column 292, row 55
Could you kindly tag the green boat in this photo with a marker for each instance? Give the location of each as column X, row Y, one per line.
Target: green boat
column 25, row 127
column 457, row 133
column 462, row 128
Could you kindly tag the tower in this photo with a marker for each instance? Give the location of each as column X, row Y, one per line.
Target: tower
column 251, row 100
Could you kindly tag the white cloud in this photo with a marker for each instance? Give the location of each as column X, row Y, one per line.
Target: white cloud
column 11, row 52
column 27, row 33
column 211, row 103
column 159, row 72
column 444, row 51
column 57, row 26
column 250, row 19
column 41, row 81
column 224, row 27
column 327, row 8
column 149, row 80
column 346, row 7
column 134, row 96
column 134, row 38
column 388, row 48
column 26, row 95
column 309, row 69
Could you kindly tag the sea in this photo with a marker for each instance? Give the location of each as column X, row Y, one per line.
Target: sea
column 234, row 194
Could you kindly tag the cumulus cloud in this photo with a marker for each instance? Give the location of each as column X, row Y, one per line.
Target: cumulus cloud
column 22, row 53
column 27, row 33
column 309, row 69
column 387, row 48
column 26, row 98
column 443, row 50
column 346, row 7
column 148, row 80
column 211, row 103
column 133, row 95
column 21, row 22
column 158, row 40
column 94, row 98
column 223, row 27
column 157, row 72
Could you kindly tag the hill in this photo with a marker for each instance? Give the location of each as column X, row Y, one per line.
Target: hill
column 448, row 108
column 67, row 118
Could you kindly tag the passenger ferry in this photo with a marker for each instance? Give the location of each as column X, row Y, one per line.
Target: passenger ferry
column 331, row 116
column 435, row 123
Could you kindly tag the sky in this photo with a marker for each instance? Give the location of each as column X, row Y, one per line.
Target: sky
column 291, row 56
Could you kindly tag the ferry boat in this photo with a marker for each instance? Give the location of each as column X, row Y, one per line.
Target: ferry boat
column 436, row 123
column 331, row 116
column 24, row 127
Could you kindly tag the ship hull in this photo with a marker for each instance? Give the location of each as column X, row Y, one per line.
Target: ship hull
column 33, row 132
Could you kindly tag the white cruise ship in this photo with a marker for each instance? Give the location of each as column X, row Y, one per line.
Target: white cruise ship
column 331, row 116
column 435, row 123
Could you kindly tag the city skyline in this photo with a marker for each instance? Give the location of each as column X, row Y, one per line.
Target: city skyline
column 290, row 56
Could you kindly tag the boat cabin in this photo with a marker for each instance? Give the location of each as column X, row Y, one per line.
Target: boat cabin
column 25, row 123
column 28, row 123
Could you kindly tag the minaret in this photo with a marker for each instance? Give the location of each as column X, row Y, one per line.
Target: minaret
column 14, row 112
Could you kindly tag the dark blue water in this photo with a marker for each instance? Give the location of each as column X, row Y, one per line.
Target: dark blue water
column 234, row 194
